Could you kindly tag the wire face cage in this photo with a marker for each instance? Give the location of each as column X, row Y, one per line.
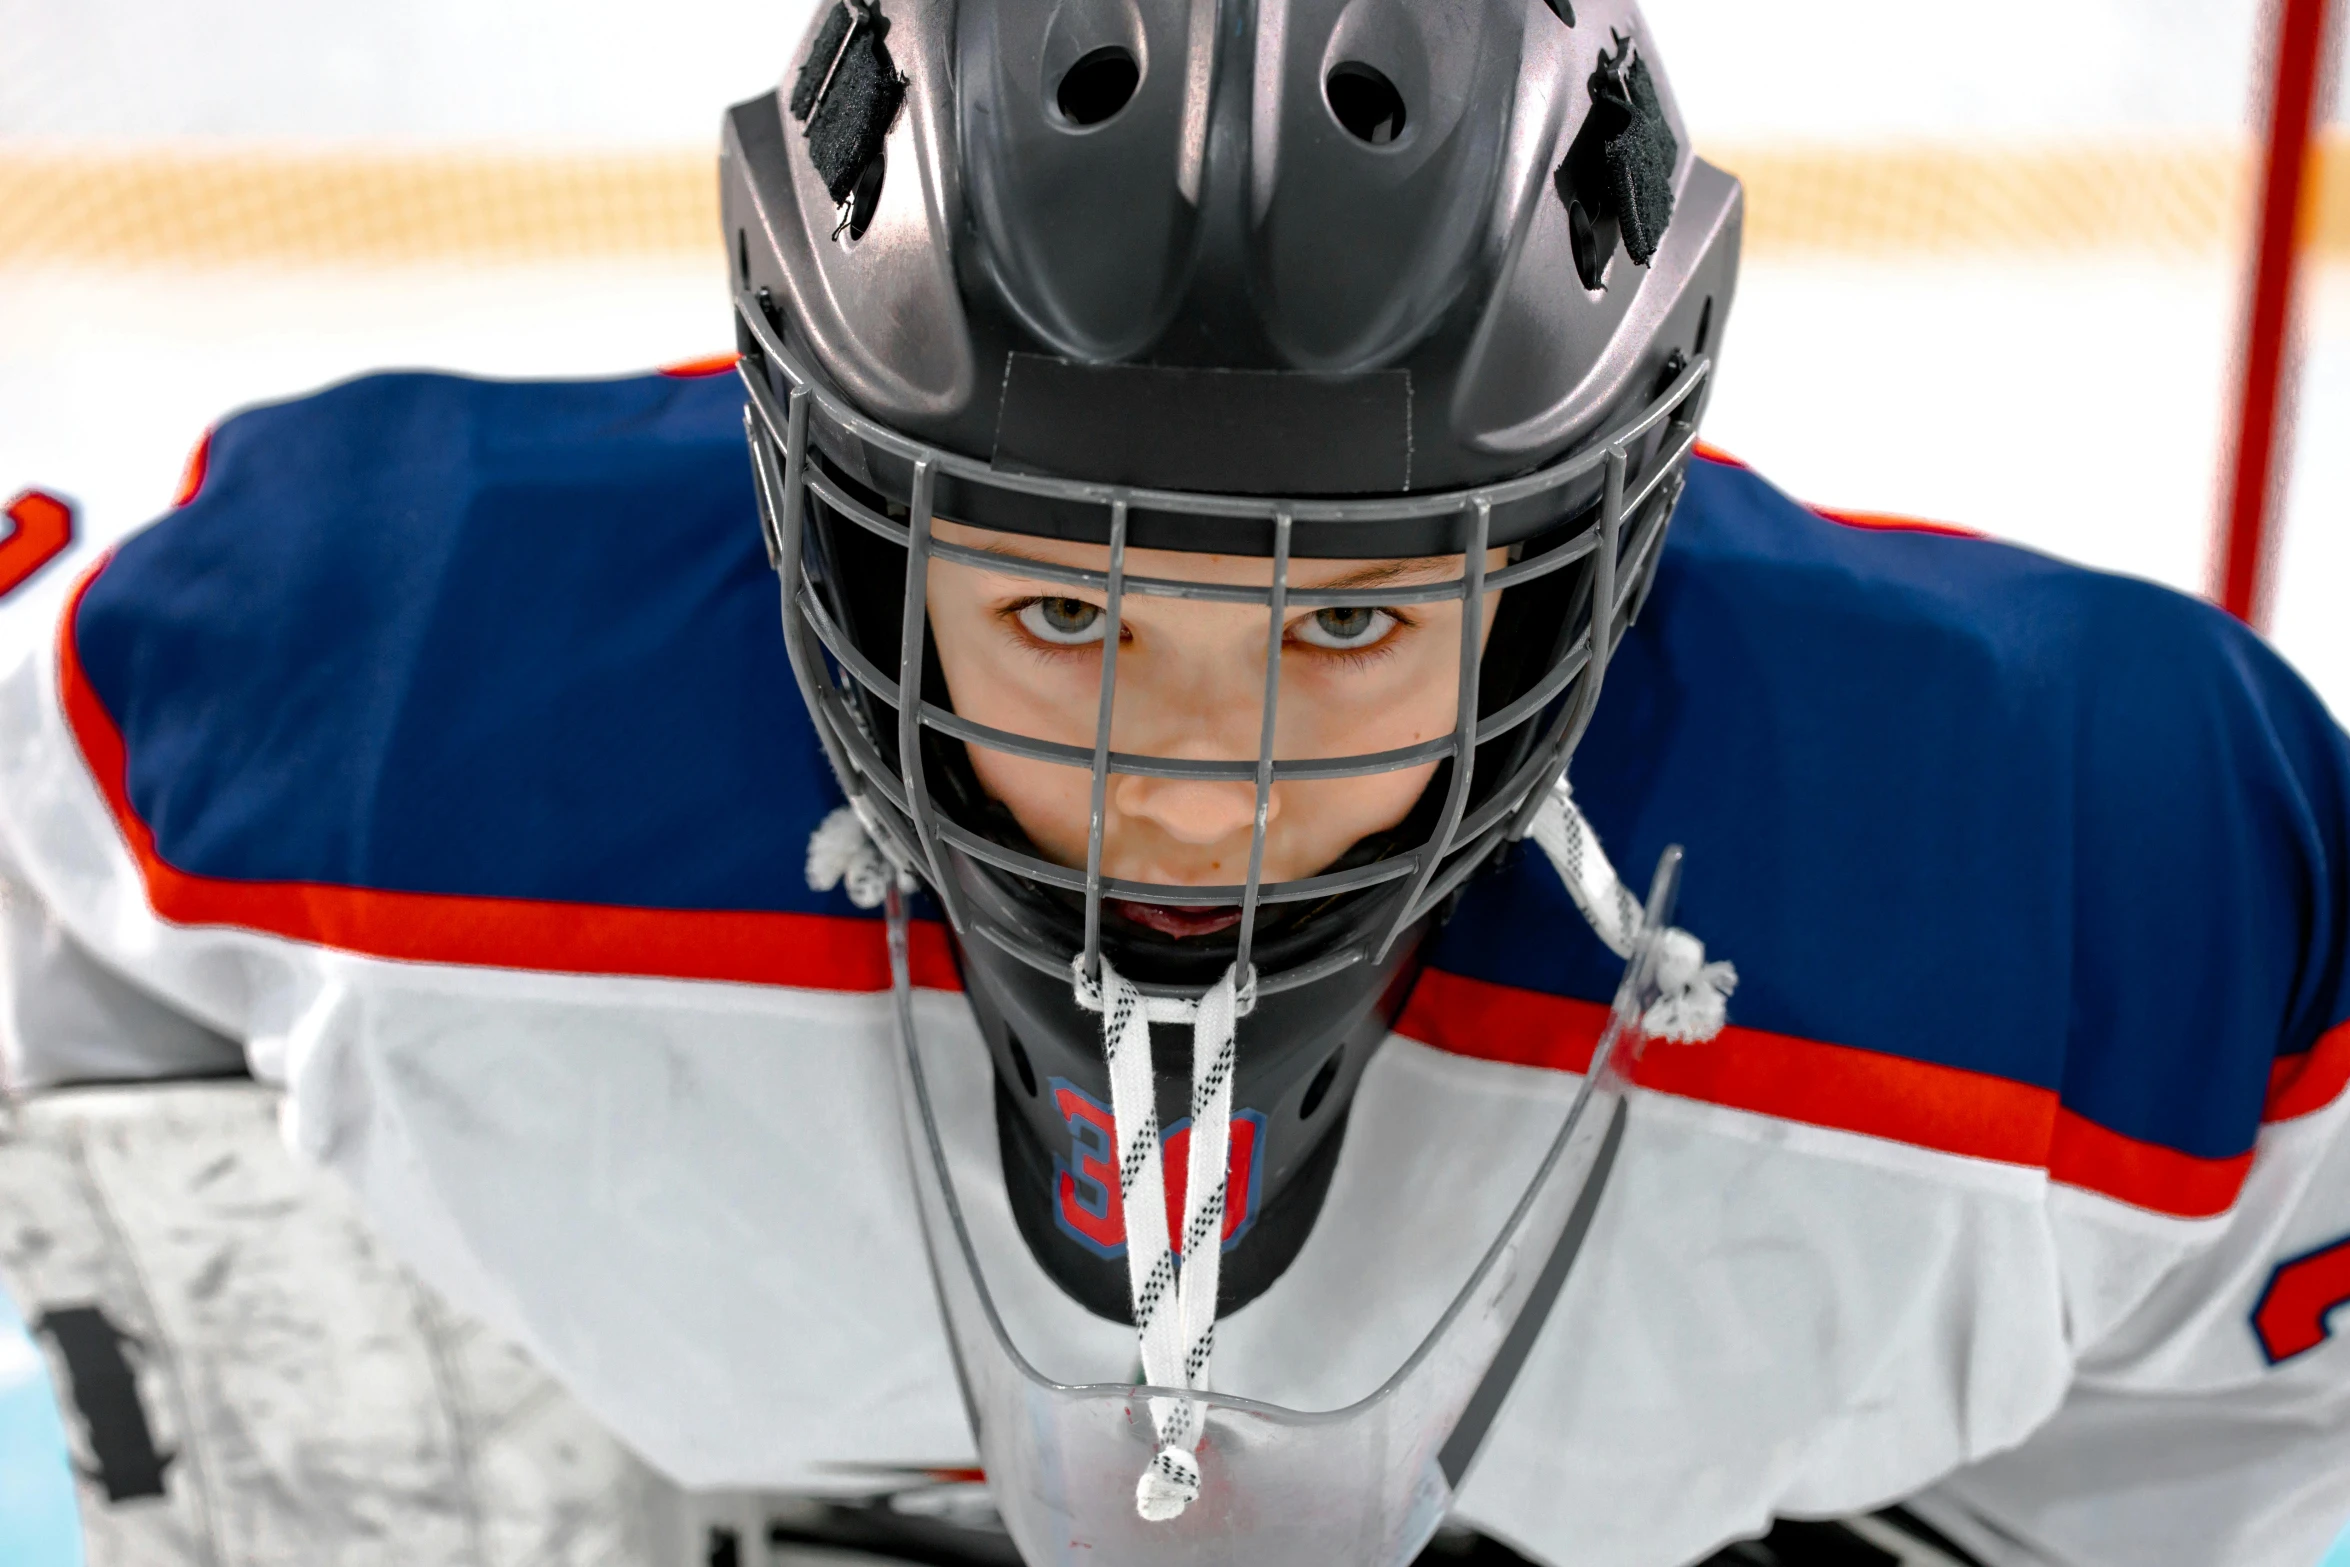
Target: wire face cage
column 1548, row 568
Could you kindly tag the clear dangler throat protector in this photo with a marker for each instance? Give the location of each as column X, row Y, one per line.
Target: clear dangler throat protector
column 1362, row 1485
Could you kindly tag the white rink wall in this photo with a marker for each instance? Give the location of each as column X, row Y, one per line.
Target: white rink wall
column 617, row 71
column 2073, row 403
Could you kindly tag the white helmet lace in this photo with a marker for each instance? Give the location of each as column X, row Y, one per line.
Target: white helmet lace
column 1174, row 1292
column 843, row 853
column 1174, row 1308
column 1694, row 995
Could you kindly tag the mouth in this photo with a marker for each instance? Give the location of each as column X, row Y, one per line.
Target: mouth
column 1169, row 920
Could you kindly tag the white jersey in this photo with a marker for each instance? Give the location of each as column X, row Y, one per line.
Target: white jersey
column 2018, row 1187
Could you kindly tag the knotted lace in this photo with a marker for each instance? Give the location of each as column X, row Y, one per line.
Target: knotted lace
column 841, row 853
column 1694, row 994
column 1174, row 1300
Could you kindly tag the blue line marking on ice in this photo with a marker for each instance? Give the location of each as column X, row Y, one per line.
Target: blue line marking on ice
column 40, row 1521
column 2339, row 1556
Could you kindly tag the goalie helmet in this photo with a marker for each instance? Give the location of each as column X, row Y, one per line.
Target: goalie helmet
column 1285, row 279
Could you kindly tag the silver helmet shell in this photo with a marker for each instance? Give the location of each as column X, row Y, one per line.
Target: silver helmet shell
column 1290, row 278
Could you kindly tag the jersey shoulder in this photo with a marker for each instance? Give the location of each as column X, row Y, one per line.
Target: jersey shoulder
column 453, row 637
column 2040, row 842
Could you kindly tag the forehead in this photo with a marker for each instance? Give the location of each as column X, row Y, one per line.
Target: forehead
column 1186, row 566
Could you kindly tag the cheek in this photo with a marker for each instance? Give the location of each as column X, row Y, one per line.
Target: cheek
column 1395, row 702
column 1052, row 804
column 1384, row 799
column 994, row 680
column 1322, row 820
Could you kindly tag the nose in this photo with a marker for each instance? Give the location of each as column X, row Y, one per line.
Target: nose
column 1194, row 811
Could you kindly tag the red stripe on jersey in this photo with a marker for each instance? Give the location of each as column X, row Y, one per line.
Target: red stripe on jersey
column 811, row 951
column 1841, row 1087
column 2301, row 1084
column 40, row 527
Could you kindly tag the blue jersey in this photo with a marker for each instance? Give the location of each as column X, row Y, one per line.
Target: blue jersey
column 442, row 747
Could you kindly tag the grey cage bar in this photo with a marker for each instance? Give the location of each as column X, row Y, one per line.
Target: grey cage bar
column 1621, row 540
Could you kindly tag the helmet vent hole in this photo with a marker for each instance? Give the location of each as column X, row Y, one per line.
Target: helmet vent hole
column 1099, row 85
column 1365, row 102
column 1021, row 1064
column 1319, row 1089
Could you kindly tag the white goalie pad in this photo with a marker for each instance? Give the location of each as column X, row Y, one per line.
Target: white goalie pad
column 247, row 1377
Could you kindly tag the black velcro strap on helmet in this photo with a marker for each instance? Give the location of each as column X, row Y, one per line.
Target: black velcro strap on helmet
column 846, row 94
column 1617, row 178
column 1640, row 163
column 816, row 70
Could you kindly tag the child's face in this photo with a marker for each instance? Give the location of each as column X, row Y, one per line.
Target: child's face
column 1024, row 655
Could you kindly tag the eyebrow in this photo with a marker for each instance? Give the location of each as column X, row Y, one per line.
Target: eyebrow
column 1374, row 574
column 1380, row 573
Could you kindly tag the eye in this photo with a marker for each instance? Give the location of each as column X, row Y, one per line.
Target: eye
column 1347, row 629
column 1064, row 622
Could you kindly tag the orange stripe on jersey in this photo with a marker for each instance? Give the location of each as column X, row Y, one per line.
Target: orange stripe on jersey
column 810, row 951
column 40, row 527
column 1779, row 1075
column 708, row 364
column 1888, row 522
column 192, row 476
column 1844, row 1088
column 2301, row 1084
column 1923, row 1103
column 1884, row 521
column 2144, row 1175
column 1476, row 1017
